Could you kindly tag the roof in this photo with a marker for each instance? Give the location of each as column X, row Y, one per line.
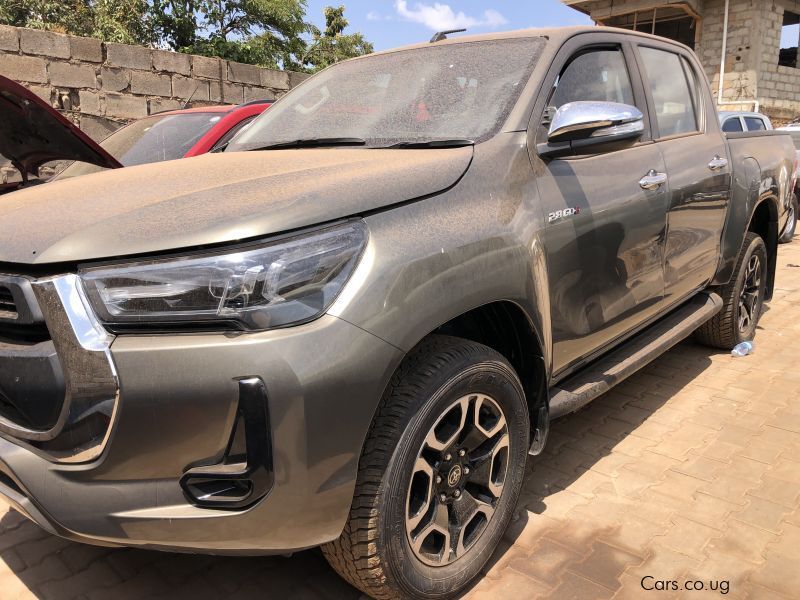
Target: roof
column 221, row 108
column 556, row 34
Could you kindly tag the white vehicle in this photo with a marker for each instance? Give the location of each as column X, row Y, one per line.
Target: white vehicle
column 794, row 131
column 736, row 122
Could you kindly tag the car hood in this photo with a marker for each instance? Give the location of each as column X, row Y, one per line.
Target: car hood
column 213, row 199
column 33, row 133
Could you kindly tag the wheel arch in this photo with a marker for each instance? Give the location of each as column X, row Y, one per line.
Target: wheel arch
column 506, row 327
column 764, row 222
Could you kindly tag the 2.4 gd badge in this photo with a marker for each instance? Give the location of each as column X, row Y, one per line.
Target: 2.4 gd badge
column 562, row 214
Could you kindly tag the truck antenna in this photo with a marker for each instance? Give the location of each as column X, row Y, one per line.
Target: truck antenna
column 442, row 35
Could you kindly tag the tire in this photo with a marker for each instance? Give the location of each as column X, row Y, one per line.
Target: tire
column 791, row 224
column 441, row 386
column 741, row 309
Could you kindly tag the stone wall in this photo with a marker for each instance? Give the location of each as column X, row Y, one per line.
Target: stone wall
column 101, row 86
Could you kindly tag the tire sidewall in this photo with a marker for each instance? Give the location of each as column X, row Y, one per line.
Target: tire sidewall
column 497, row 380
column 758, row 247
column 788, row 234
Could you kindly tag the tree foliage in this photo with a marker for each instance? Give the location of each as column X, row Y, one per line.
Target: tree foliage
column 123, row 21
column 333, row 45
column 270, row 33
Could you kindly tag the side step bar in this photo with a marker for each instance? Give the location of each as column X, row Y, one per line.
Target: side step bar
column 599, row 377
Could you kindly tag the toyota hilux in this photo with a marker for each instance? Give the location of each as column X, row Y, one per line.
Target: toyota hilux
column 351, row 328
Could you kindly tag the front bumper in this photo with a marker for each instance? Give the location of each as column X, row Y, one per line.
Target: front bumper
column 176, row 408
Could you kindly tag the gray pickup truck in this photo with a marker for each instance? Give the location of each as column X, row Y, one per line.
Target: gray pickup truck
column 350, row 329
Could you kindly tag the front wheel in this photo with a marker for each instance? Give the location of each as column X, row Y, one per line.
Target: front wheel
column 440, row 474
column 743, row 299
column 791, row 223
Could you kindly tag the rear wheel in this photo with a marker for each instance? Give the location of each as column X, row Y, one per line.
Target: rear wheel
column 439, row 476
column 791, row 223
column 743, row 299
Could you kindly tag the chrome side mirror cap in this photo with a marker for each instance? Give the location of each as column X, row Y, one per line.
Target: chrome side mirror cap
column 600, row 121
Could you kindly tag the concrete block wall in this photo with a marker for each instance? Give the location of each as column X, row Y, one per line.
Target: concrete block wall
column 779, row 86
column 101, row 86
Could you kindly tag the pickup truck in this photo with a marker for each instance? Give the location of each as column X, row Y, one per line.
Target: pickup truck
column 351, row 328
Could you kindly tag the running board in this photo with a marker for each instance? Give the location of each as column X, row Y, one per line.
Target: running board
column 599, row 377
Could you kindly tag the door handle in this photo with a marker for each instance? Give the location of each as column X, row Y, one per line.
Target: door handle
column 653, row 180
column 718, row 163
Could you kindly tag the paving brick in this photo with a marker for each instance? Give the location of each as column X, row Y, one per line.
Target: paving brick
column 729, row 488
column 743, row 541
column 72, row 75
column 776, row 490
column 605, row 564
column 44, row 43
column 528, row 529
column 98, row 575
column 575, row 586
column 24, row 68
column 762, row 513
column 687, row 537
column 547, row 562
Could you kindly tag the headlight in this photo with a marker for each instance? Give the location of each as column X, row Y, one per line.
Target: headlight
column 289, row 281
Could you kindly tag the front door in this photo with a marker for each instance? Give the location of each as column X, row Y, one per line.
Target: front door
column 696, row 157
column 604, row 238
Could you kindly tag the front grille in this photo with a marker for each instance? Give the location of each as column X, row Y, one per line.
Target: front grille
column 8, row 307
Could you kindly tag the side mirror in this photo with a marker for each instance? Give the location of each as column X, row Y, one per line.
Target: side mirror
column 586, row 125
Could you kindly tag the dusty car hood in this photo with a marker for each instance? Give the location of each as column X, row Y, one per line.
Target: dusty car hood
column 33, row 133
column 212, row 199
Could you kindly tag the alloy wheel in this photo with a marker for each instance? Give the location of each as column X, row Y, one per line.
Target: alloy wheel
column 457, row 481
column 749, row 299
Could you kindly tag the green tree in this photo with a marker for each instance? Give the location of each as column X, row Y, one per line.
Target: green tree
column 251, row 31
column 333, row 45
column 270, row 33
column 125, row 21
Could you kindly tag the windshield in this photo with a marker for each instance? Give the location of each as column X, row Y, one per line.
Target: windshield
column 153, row 139
column 444, row 92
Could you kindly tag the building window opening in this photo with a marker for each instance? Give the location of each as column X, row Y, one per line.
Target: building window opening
column 790, row 39
column 672, row 23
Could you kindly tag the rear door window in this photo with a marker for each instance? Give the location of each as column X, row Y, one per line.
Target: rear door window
column 755, row 124
column 732, row 125
column 671, row 90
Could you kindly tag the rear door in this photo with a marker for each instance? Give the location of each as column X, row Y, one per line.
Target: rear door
column 687, row 133
column 604, row 237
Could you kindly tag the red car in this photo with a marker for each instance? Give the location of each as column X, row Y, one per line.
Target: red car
column 32, row 133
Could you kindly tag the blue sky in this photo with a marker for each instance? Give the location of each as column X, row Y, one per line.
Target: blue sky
column 390, row 23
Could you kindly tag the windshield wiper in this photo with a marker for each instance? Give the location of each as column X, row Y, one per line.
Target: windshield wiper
column 313, row 143
column 454, row 143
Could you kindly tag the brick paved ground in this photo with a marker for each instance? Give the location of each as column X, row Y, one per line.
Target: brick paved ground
column 689, row 471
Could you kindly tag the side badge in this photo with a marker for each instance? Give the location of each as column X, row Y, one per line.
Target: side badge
column 563, row 214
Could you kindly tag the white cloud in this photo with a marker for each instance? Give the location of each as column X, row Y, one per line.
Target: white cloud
column 440, row 17
column 376, row 16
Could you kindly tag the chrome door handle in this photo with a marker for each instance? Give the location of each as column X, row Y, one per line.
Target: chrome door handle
column 653, row 180
column 718, row 163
